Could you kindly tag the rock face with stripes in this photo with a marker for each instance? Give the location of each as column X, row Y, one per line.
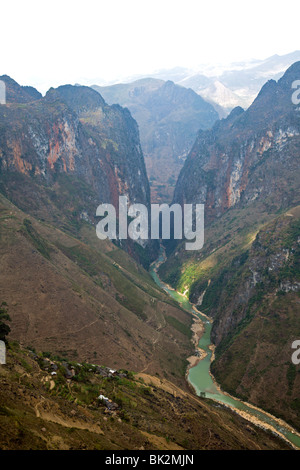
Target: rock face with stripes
column 250, row 156
column 73, row 140
column 72, row 131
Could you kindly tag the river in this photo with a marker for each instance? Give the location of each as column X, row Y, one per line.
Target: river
column 202, row 381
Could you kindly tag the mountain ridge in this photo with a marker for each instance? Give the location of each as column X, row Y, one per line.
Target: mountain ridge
column 169, row 117
column 246, row 173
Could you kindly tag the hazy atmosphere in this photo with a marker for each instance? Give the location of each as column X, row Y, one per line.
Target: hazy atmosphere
column 49, row 43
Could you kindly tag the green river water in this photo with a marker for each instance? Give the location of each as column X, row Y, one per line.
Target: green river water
column 200, row 378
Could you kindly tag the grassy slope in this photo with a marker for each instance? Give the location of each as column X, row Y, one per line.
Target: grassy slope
column 253, row 327
column 39, row 411
column 254, row 359
column 86, row 299
column 225, row 239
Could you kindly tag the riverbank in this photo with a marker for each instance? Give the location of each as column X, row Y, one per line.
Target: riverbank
column 248, row 416
column 199, row 330
column 255, row 420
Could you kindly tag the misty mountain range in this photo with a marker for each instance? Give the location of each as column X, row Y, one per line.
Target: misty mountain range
column 232, row 85
column 171, row 106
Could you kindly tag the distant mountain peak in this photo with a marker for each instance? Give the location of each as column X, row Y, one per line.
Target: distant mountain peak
column 79, row 98
column 169, row 117
column 16, row 93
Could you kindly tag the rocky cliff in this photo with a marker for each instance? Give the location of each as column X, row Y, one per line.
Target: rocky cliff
column 70, row 134
column 73, row 131
column 250, row 155
column 67, row 291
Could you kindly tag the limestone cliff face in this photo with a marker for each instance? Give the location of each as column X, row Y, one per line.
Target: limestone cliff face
column 251, row 155
column 248, row 161
column 73, row 131
column 71, row 149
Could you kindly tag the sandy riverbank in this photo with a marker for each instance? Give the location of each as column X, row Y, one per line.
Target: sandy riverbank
column 198, row 330
column 253, row 419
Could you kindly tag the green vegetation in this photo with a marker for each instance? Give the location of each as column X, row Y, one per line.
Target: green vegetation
column 265, row 320
column 173, row 277
column 229, row 278
column 39, row 243
column 141, row 411
column 179, row 326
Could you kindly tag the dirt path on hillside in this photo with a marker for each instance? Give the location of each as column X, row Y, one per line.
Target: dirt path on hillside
column 43, row 410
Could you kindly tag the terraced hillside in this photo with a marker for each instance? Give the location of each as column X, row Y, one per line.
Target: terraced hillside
column 43, row 411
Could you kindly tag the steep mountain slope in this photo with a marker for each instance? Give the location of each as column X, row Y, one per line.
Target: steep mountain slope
column 256, row 307
column 73, row 131
column 251, row 155
column 61, row 156
column 246, row 172
column 40, row 411
column 71, row 135
column 86, row 299
column 169, row 117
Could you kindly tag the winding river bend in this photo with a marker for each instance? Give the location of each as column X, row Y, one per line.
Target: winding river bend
column 200, row 378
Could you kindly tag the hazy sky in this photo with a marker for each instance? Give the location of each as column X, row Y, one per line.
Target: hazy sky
column 46, row 43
